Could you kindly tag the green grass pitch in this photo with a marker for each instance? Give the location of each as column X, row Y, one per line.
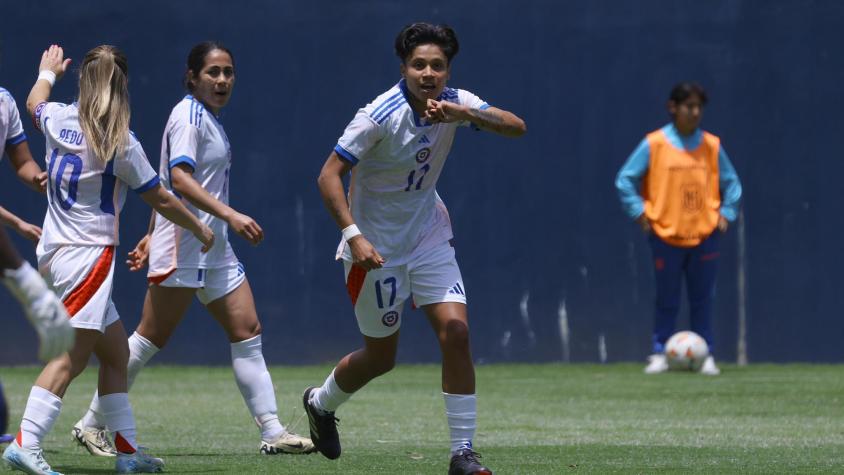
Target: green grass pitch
column 544, row 419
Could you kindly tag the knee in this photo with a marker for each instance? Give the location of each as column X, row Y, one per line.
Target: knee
column 455, row 336
column 245, row 331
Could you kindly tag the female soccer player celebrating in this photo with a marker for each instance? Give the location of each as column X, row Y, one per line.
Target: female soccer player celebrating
column 92, row 158
column 195, row 161
column 396, row 233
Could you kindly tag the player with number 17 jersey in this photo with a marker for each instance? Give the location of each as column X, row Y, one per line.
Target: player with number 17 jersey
column 84, row 193
column 398, row 158
column 195, row 137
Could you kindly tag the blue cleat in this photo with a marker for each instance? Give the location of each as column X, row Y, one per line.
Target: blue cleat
column 27, row 461
column 139, row 462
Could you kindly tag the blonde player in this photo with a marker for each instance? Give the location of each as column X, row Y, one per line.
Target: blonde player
column 91, row 159
column 195, row 162
column 396, row 233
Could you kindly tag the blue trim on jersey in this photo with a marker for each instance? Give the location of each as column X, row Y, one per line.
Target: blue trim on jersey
column 183, row 159
column 152, row 183
column 107, row 189
column 403, row 87
column 390, row 107
column 17, row 139
column 393, row 109
column 384, row 104
column 346, row 155
column 484, row 107
column 196, row 111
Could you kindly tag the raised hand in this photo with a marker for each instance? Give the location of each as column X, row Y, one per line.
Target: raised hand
column 53, row 60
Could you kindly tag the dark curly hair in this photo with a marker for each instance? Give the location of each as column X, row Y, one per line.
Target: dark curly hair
column 684, row 90
column 418, row 34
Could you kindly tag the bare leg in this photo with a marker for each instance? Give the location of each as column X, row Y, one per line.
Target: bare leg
column 450, row 323
column 164, row 308
column 57, row 375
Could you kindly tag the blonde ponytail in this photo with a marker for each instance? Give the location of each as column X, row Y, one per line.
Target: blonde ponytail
column 104, row 101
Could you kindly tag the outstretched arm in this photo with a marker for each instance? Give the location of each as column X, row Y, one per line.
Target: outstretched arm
column 493, row 119
column 330, row 183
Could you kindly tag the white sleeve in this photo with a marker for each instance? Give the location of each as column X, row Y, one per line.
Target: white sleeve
column 43, row 111
column 183, row 139
column 360, row 136
column 15, row 133
column 134, row 169
column 466, row 98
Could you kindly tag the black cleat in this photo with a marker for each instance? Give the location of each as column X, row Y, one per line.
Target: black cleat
column 323, row 428
column 465, row 462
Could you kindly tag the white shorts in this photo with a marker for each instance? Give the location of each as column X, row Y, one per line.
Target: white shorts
column 211, row 283
column 82, row 277
column 378, row 296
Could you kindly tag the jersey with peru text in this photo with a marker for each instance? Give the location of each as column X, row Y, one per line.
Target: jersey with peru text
column 398, row 158
column 84, row 193
column 11, row 129
column 194, row 138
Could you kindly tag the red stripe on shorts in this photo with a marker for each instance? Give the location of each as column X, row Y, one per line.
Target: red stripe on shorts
column 158, row 279
column 354, row 283
column 82, row 294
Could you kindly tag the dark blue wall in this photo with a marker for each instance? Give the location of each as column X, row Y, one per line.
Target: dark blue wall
column 536, row 218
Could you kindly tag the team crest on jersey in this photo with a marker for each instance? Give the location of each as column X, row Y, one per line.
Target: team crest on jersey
column 390, row 318
column 423, row 155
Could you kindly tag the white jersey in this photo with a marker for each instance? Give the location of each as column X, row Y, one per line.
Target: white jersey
column 398, row 159
column 85, row 194
column 11, row 130
column 193, row 136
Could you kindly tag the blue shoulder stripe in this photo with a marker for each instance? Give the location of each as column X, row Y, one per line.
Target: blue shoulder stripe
column 384, row 104
column 389, row 112
column 196, row 111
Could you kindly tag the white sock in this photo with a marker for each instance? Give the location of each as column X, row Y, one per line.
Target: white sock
column 117, row 414
column 141, row 351
column 329, row 397
column 461, row 412
column 42, row 410
column 256, row 386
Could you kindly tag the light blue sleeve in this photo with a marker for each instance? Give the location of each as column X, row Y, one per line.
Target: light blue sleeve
column 629, row 178
column 730, row 186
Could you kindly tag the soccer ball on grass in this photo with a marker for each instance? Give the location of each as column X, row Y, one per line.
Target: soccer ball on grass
column 686, row 351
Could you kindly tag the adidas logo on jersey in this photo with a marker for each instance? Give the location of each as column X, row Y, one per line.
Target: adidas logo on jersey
column 457, row 289
column 424, row 139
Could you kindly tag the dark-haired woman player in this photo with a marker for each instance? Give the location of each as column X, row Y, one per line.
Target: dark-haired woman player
column 396, row 233
column 195, row 162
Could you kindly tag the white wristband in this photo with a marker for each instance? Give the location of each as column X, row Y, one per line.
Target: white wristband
column 48, row 76
column 350, row 231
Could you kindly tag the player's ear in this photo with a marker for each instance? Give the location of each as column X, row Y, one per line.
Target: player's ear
column 403, row 70
column 189, row 80
column 672, row 108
